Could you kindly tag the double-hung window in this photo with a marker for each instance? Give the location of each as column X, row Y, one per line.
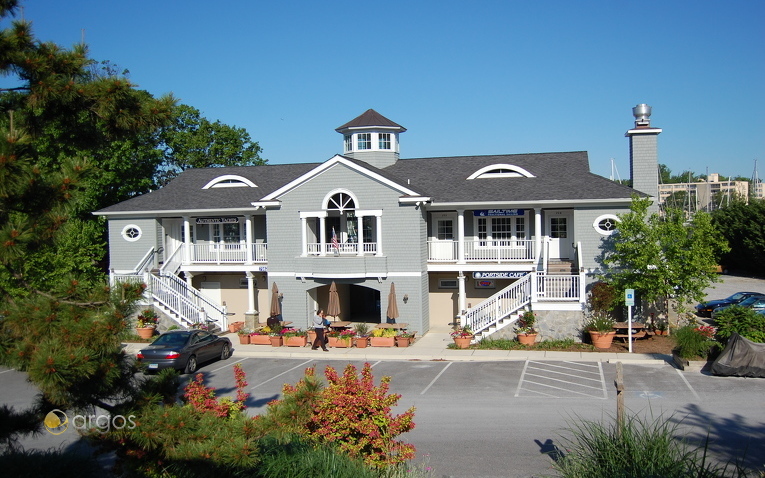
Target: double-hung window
column 384, row 140
column 364, row 141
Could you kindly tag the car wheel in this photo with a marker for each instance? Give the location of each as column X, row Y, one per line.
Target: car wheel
column 225, row 352
column 191, row 365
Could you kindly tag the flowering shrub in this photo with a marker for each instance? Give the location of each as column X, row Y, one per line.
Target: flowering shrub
column 262, row 331
column 384, row 333
column 694, row 341
column 463, row 332
column 202, row 398
column 707, row 331
column 290, row 332
column 406, row 335
column 147, row 318
column 525, row 324
column 276, row 332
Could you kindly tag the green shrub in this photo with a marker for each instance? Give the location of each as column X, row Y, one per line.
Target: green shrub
column 300, row 458
column 640, row 448
column 600, row 323
column 741, row 320
column 603, row 298
column 693, row 341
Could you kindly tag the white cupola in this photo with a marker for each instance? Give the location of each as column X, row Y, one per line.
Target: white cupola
column 372, row 138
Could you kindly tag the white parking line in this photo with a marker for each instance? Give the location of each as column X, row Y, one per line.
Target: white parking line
column 520, row 381
column 688, row 384
column 436, row 378
column 576, row 371
column 557, row 388
column 283, row 373
column 229, row 365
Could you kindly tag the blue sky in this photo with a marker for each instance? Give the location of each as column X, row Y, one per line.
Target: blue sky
column 464, row 78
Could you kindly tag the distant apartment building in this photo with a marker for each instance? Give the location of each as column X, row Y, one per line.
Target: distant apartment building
column 707, row 195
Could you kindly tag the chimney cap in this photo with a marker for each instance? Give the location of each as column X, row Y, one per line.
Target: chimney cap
column 642, row 114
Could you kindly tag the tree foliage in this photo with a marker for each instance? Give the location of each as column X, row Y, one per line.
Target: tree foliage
column 663, row 257
column 743, row 226
column 192, row 141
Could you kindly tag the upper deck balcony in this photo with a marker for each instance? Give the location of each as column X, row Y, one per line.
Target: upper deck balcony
column 482, row 250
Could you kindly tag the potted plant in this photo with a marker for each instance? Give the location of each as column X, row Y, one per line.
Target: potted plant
column 601, row 330
column 383, row 338
column 261, row 336
column 234, row 327
column 403, row 339
column 275, row 336
column 244, row 336
column 525, row 330
column 146, row 323
column 463, row 336
column 341, row 338
column 295, row 337
column 361, row 338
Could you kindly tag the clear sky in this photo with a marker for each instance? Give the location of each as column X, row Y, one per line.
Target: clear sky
column 464, row 78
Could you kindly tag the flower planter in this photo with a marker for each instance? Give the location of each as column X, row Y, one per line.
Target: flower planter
column 260, row 340
column 235, row 327
column 527, row 339
column 361, row 342
column 339, row 342
column 382, row 341
column 296, row 341
column 244, row 339
column 145, row 332
column 311, row 336
column 276, row 341
column 463, row 342
column 402, row 341
column 602, row 340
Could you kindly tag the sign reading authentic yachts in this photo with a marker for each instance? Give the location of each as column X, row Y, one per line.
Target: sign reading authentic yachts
column 498, row 275
column 217, row 220
column 498, row 212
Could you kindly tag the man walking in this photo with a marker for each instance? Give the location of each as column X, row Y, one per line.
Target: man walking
column 319, row 321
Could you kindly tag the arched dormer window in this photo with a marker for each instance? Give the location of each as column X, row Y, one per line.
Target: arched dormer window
column 501, row 171
column 341, row 201
column 230, row 181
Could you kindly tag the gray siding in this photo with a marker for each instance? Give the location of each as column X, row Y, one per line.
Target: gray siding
column 592, row 241
column 124, row 255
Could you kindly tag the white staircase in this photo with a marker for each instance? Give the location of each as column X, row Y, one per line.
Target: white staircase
column 499, row 310
column 185, row 304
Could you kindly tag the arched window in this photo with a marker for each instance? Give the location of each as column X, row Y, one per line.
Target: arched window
column 341, row 202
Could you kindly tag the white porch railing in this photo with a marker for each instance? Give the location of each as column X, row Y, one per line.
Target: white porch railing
column 345, row 248
column 557, row 287
column 476, row 250
column 500, row 305
column 217, row 253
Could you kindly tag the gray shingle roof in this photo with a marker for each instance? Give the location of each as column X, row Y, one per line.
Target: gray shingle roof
column 558, row 176
column 369, row 118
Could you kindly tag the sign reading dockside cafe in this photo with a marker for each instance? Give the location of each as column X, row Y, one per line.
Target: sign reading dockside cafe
column 217, row 220
column 498, row 212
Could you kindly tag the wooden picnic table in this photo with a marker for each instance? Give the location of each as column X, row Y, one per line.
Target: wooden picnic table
column 340, row 324
column 623, row 330
column 392, row 326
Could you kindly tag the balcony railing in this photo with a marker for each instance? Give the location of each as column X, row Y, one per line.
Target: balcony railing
column 228, row 253
column 344, row 249
column 486, row 250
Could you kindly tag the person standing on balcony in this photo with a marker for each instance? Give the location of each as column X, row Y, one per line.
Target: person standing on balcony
column 319, row 322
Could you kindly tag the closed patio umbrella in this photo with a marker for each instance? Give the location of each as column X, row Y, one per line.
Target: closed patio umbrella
column 333, row 308
column 275, row 309
column 392, row 312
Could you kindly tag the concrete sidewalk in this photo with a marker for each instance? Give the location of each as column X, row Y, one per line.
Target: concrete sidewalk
column 432, row 346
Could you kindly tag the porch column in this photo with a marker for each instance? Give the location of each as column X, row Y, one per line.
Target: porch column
column 304, row 231
column 248, row 235
column 186, row 240
column 461, row 241
column 250, row 292
column 322, row 235
column 360, row 234
column 189, row 276
column 537, row 233
column 378, row 237
column 461, row 293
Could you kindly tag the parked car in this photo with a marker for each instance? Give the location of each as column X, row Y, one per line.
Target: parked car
column 184, row 350
column 705, row 308
column 755, row 302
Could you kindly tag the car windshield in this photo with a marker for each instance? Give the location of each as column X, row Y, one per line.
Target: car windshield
column 750, row 300
column 171, row 339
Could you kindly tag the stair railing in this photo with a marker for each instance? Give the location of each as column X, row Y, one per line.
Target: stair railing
column 500, row 305
column 187, row 303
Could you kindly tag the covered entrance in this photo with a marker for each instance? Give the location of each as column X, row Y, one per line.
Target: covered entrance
column 357, row 302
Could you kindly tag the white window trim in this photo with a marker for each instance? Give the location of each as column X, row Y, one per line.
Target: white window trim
column 596, row 224
column 128, row 238
column 219, row 182
column 516, row 172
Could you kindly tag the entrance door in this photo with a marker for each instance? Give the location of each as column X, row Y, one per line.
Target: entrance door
column 560, row 230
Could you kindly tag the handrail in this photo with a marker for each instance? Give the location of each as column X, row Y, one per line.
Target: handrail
column 145, row 260
column 188, row 303
column 173, row 263
column 498, row 306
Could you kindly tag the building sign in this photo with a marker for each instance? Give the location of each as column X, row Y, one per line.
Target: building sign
column 498, row 212
column 217, row 220
column 498, row 275
column 485, row 284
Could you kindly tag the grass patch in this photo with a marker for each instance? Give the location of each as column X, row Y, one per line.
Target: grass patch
column 508, row 344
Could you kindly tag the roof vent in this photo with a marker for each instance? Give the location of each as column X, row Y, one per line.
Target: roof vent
column 642, row 114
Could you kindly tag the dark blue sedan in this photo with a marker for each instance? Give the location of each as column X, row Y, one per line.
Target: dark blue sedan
column 705, row 308
column 184, row 350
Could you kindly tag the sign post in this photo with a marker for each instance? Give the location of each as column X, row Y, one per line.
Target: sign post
column 629, row 300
